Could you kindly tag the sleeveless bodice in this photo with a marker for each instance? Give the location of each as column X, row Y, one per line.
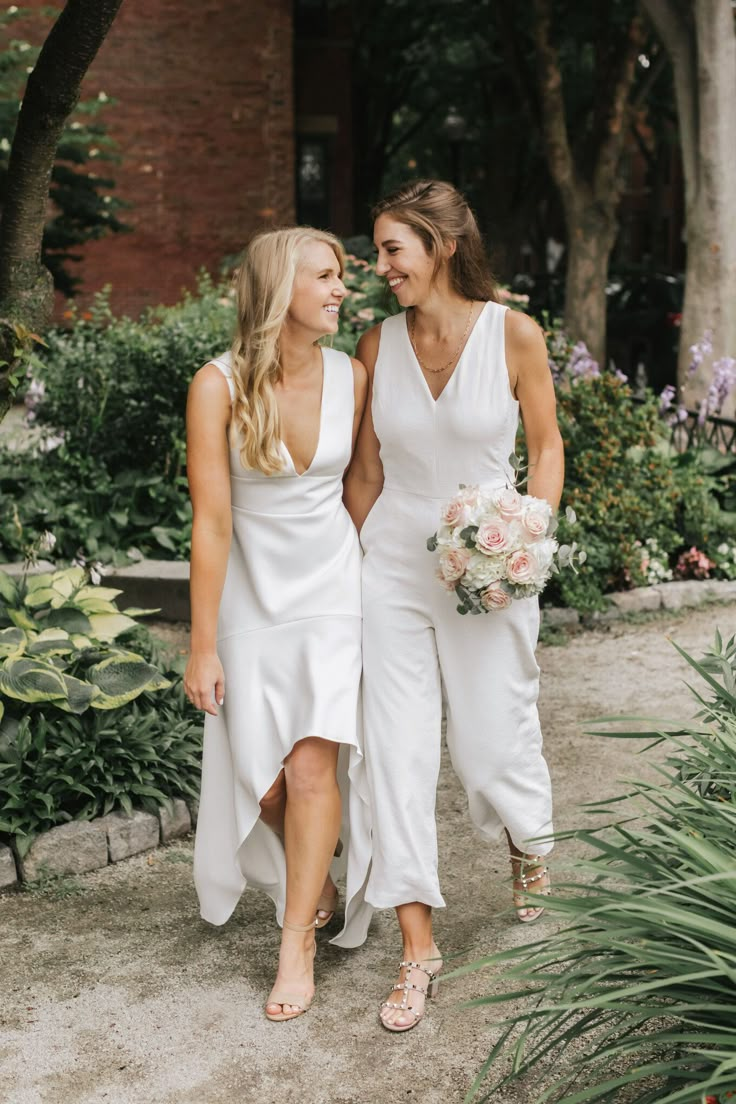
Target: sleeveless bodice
column 294, row 551
column 430, row 446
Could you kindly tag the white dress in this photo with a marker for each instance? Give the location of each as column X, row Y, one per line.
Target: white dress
column 289, row 629
column 414, row 641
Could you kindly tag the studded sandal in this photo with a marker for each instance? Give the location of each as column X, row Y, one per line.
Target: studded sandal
column 408, row 987
column 521, row 901
column 289, row 996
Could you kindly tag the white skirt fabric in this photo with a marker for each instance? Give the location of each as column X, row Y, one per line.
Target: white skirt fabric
column 289, row 639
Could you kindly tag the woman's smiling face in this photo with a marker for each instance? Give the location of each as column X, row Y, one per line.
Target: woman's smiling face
column 318, row 289
column 403, row 260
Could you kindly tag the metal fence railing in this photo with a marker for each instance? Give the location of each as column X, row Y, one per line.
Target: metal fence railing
column 718, row 432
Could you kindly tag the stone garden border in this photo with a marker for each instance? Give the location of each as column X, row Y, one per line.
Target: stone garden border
column 84, row 845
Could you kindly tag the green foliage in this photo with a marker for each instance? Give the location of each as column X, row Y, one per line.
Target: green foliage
column 56, row 646
column 83, row 207
column 635, row 998
column 89, row 720
column 627, row 485
column 114, row 403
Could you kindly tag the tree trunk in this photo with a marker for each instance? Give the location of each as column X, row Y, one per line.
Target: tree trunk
column 590, row 199
column 52, row 93
column 710, row 289
column 701, row 43
column 591, row 237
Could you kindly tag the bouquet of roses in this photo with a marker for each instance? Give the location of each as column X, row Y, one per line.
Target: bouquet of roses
column 494, row 546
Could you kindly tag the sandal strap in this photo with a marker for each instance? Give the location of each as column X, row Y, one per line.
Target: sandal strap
column 417, row 966
column 530, row 879
column 297, row 928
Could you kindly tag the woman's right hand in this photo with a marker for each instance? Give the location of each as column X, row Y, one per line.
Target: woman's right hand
column 204, row 682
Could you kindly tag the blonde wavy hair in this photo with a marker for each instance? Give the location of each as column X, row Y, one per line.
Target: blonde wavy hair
column 265, row 286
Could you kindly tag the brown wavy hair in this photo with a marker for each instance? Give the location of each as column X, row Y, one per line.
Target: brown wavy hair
column 439, row 215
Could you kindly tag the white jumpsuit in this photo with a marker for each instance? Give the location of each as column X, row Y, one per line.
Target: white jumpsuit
column 415, row 641
column 288, row 636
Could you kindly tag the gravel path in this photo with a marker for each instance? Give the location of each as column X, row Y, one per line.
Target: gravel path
column 116, row 992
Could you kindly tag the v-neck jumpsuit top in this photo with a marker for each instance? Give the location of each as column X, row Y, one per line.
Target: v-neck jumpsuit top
column 288, row 637
column 414, row 641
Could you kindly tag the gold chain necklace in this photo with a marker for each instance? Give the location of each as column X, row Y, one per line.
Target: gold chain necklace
column 455, row 355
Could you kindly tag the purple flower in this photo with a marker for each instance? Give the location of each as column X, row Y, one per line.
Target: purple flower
column 721, row 385
column 581, row 364
column 666, row 398
column 699, row 351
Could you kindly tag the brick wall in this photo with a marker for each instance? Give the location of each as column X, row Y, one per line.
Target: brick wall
column 205, row 124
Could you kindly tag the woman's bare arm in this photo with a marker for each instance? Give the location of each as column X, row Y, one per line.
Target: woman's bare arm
column 208, row 468
column 531, row 380
column 364, row 477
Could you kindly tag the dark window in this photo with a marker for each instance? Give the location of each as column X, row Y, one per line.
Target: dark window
column 312, row 181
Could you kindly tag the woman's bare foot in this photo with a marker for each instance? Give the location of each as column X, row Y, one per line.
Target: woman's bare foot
column 419, row 977
column 329, row 893
column 295, row 976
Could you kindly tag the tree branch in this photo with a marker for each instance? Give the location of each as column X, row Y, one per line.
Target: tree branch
column 556, row 138
column 51, row 95
column 674, row 27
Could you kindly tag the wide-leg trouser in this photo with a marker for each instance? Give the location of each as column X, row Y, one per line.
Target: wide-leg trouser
column 413, row 642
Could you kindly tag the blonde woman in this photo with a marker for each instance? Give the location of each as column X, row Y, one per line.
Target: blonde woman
column 275, row 597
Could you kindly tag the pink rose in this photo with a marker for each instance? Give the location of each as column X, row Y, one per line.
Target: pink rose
column 470, row 496
column 449, row 585
column 535, row 521
column 494, row 597
column 453, row 563
column 453, row 512
column 522, row 568
column 508, row 503
column 492, row 536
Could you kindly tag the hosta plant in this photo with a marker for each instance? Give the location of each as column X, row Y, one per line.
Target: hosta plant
column 57, row 644
column 634, row 1000
column 92, row 719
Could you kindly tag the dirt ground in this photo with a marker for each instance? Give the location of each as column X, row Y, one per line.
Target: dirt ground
column 113, row 990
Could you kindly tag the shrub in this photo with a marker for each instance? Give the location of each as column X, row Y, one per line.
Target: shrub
column 636, row 996
column 624, row 481
column 89, row 721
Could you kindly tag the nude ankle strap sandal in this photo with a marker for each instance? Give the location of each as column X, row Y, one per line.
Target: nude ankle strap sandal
column 289, row 996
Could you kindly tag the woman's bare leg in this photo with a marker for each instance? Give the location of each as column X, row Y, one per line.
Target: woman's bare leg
column 415, row 921
column 273, row 811
column 311, row 827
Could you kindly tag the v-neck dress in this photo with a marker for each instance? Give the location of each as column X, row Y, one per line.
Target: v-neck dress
column 288, row 637
column 416, row 645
